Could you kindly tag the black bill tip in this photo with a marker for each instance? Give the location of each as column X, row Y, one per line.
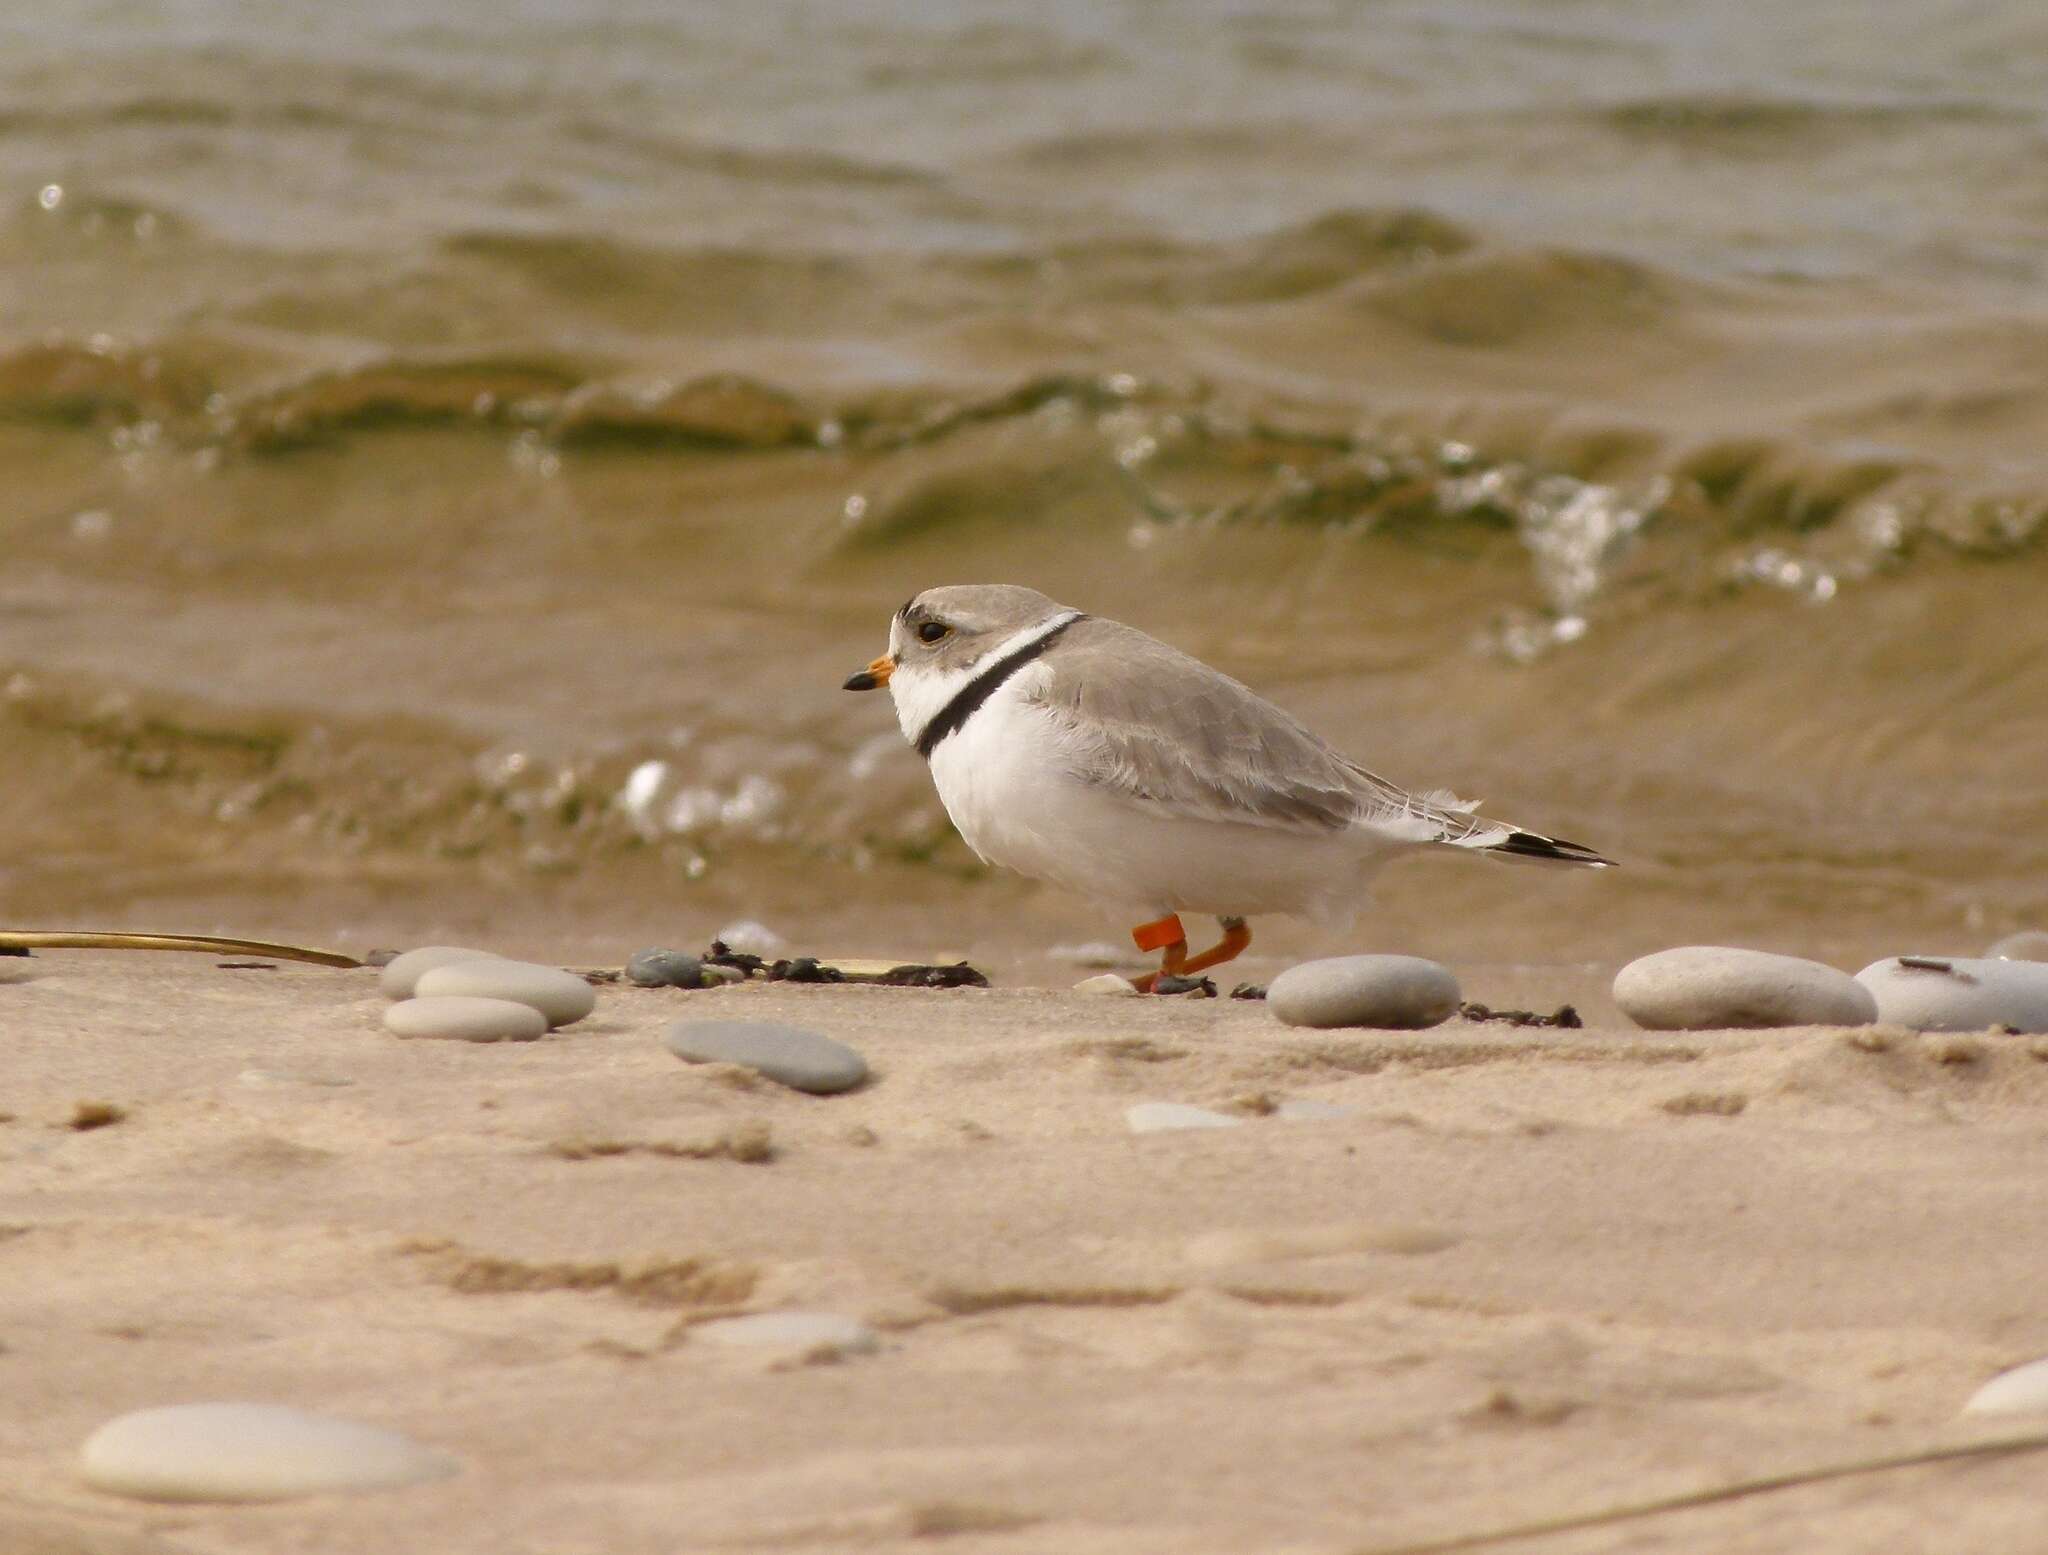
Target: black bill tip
column 864, row 681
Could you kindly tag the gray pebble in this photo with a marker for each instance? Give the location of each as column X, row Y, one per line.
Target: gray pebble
column 656, row 968
column 464, row 1018
column 1958, row 993
column 2027, row 945
column 1402, row 993
column 561, row 996
column 1722, row 987
column 714, row 975
column 399, row 977
column 802, row 1060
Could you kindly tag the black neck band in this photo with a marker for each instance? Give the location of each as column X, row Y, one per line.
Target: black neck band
column 968, row 699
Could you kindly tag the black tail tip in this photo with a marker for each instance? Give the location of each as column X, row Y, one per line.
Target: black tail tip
column 1555, row 850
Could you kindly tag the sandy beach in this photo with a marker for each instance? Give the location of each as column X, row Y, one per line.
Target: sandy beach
column 1513, row 1274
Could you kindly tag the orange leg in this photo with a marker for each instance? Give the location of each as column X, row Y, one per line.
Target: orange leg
column 1168, row 938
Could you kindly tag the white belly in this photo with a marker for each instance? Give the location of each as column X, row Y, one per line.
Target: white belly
column 1001, row 781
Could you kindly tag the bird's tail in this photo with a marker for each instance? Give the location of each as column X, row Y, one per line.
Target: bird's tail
column 1545, row 851
column 1442, row 817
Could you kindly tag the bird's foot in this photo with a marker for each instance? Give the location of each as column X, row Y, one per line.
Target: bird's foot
column 1170, row 939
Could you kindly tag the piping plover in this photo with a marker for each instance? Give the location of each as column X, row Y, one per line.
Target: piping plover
column 1078, row 750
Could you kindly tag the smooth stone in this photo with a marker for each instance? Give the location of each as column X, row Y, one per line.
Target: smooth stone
column 399, row 978
column 1403, row 993
column 1107, row 983
column 723, row 974
column 249, row 1452
column 657, row 968
column 1958, row 993
column 802, row 1060
column 561, row 996
column 1156, row 1117
column 2027, row 945
column 811, row 1332
column 2021, row 1391
column 465, row 1018
column 1720, row 987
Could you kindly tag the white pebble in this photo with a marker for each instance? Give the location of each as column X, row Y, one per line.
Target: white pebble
column 1722, row 987
column 1403, row 993
column 2021, row 1391
column 249, row 1452
column 1106, row 983
column 400, row 976
column 1154, row 1117
column 750, row 938
column 811, row 1332
column 465, row 1018
column 1958, row 993
column 561, row 996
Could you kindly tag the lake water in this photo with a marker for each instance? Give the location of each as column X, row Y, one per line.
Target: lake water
column 454, row 451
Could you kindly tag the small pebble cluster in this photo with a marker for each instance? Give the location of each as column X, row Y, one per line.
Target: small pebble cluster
column 450, row 992
column 1716, row 987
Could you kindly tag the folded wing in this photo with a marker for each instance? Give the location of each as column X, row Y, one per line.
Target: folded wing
column 1165, row 730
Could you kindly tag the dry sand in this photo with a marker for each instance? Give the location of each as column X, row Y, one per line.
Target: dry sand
column 1535, row 1272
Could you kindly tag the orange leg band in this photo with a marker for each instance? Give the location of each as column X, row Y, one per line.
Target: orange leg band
column 1158, row 935
column 1174, row 960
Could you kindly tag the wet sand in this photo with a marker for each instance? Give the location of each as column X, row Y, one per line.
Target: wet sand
column 1532, row 1272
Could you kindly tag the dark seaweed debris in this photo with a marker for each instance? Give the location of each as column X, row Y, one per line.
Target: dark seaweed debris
column 1566, row 1018
column 809, row 969
column 721, row 954
column 1185, row 985
column 958, row 975
column 1248, row 991
column 804, row 969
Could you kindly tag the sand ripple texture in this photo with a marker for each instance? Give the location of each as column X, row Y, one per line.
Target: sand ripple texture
column 1533, row 1270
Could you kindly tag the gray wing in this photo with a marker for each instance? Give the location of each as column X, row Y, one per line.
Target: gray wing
column 1167, row 731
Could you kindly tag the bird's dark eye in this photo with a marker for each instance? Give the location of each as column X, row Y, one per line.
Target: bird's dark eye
column 932, row 631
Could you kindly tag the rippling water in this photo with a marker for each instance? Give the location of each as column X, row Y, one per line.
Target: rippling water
column 455, row 450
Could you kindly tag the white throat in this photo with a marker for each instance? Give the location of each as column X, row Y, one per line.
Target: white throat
column 921, row 693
